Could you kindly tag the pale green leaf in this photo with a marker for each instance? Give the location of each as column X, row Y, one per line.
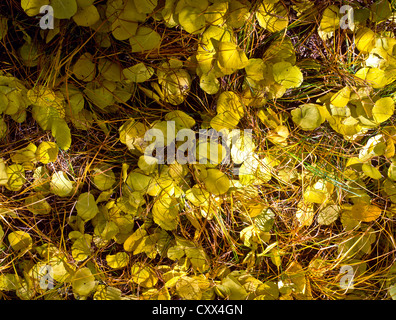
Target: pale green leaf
column 83, row 282
column 64, row 9
column 307, row 116
column 287, row 75
column 61, row 132
column 86, row 206
column 85, row 69
column 145, row 39
column 16, row 177
column 138, row 73
column 192, row 19
column 87, row 16
column 20, row 241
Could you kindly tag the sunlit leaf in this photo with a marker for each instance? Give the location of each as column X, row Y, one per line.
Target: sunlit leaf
column 83, row 282
column 328, row 215
column 198, row 258
column 272, row 17
column 25, row 156
column 209, row 83
column 3, row 173
column 229, row 101
column 60, row 185
column 242, row 148
column 230, row 287
column 238, row 13
column 47, row 152
column 216, row 182
column 230, row 56
column 365, row 40
column 356, row 245
column 61, row 132
column 307, row 116
column 192, row 19
column 103, row 177
column 138, row 181
column 341, row 98
column 165, row 212
column 374, row 76
column 330, row 22
column 20, row 241
column 210, row 153
column 254, row 170
column 252, row 236
column 305, row 212
column 216, row 12
column 296, row 274
column 8, row 281
column 383, row 109
column 371, row 171
column 365, row 212
column 182, row 119
column 118, row 260
column 16, row 177
column 224, row 120
column 287, row 75
column 32, row 7
column 134, row 239
column 107, row 293
column 86, row 206
column 106, row 229
column 81, row 248
column 64, row 9
column 188, row 288
column 143, row 275
column 264, row 220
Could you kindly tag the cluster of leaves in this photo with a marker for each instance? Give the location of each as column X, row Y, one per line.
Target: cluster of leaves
column 116, row 222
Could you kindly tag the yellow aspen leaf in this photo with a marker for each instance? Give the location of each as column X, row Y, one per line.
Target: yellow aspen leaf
column 20, row 240
column 230, row 56
column 83, row 282
column 365, row 212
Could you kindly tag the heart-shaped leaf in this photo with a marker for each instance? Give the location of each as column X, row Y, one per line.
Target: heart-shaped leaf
column 83, row 282
column 118, row 260
column 86, row 206
column 64, row 9
column 307, row 116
